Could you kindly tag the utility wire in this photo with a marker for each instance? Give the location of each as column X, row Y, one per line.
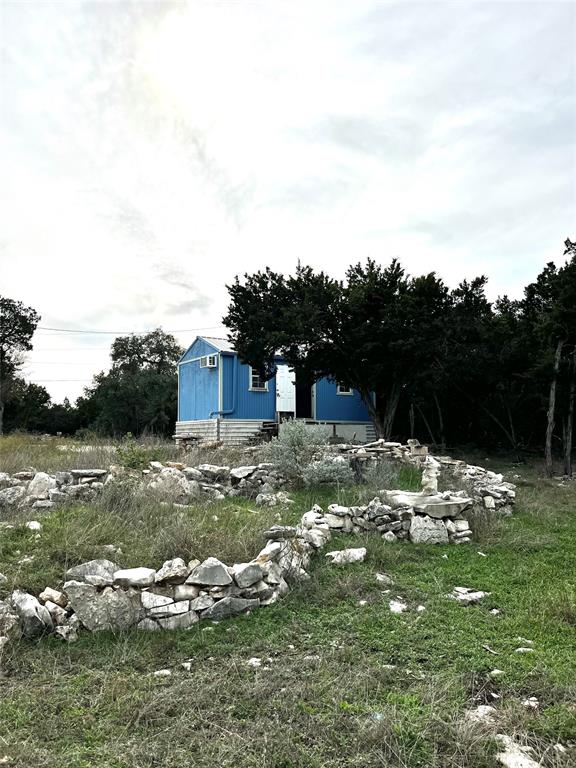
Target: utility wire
column 133, row 333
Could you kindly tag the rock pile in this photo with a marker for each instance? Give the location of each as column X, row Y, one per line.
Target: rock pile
column 100, row 595
column 487, row 489
column 172, row 481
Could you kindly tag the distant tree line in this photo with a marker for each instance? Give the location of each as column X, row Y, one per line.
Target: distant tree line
column 137, row 395
column 444, row 365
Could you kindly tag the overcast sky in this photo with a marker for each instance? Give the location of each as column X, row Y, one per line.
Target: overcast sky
column 151, row 151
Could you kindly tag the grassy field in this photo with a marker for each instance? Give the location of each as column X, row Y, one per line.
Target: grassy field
column 49, row 454
column 342, row 682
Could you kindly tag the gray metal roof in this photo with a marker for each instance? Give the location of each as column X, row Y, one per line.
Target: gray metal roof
column 222, row 345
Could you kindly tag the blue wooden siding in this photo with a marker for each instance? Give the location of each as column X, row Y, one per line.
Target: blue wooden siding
column 197, row 387
column 333, row 407
column 199, row 348
column 247, row 404
column 200, row 390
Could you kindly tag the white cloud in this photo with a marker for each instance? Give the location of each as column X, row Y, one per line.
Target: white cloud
column 151, row 151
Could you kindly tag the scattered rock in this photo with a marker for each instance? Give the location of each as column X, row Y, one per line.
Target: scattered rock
column 468, row 596
column 54, row 596
column 397, row 606
column 482, row 714
column 99, row 573
column 34, row 618
column 514, row 755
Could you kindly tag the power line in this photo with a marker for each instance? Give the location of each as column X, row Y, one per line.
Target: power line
column 46, row 381
column 133, row 333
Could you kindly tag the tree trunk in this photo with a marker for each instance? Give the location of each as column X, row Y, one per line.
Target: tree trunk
column 390, row 411
column 440, row 423
column 1, row 391
column 383, row 421
column 551, row 410
column 427, row 425
column 374, row 413
column 570, row 417
column 412, row 420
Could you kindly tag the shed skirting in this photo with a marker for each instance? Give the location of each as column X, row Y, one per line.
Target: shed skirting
column 209, row 430
column 237, row 432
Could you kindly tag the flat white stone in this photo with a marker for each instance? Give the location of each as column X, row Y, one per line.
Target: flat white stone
column 135, row 577
column 346, row 556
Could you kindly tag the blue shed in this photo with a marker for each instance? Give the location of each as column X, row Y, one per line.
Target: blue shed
column 220, row 398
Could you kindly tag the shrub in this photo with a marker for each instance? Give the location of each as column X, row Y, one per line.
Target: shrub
column 296, row 446
column 328, row 471
column 135, row 456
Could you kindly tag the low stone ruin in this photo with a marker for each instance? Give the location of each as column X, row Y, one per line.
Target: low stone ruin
column 172, row 482
column 100, row 595
column 487, row 489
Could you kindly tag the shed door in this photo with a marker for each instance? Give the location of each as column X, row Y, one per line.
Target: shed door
column 285, row 390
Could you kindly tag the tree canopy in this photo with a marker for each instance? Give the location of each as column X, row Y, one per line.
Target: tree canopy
column 17, row 325
column 446, row 363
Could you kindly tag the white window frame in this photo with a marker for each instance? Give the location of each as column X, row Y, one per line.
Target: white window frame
column 253, row 372
column 347, row 390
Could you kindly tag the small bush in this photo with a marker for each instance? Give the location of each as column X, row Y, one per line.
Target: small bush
column 134, row 455
column 328, row 471
column 297, row 446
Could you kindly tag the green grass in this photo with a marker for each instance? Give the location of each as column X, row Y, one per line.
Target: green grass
column 325, row 695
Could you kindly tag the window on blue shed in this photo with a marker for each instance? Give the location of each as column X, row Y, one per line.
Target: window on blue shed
column 257, row 382
column 342, row 389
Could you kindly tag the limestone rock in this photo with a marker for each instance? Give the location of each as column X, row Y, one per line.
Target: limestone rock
column 151, row 600
column 9, row 622
column 58, row 614
column 112, row 609
column 213, row 472
column 91, row 473
column 190, row 473
column 34, row 618
column 182, row 621
column 186, row 591
column 246, row 574
column 172, row 484
column 135, row 577
column 40, row 485
column 240, row 473
column 11, row 497
column 514, row 755
column 468, row 596
column 174, row 570
column 230, row 606
column 345, row 556
column 211, row 572
column 425, row 530
column 54, row 596
column 201, row 603
column 281, row 532
column 99, row 573
column 170, row 609
column 43, row 504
